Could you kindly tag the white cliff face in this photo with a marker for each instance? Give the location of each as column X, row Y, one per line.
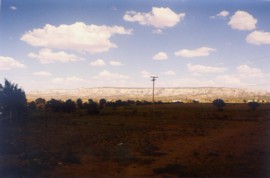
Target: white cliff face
column 161, row 94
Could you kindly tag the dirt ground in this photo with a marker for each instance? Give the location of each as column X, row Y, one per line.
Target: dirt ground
column 178, row 140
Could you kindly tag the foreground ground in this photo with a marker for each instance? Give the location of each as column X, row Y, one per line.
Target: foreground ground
column 179, row 140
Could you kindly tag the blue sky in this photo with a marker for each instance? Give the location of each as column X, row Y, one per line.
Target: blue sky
column 46, row 44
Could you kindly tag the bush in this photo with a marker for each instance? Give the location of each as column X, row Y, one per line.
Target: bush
column 253, row 105
column 219, row 103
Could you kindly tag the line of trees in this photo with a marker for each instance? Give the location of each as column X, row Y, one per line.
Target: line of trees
column 13, row 103
column 67, row 106
column 96, row 107
column 91, row 106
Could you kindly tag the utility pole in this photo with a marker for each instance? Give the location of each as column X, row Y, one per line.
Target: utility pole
column 153, row 79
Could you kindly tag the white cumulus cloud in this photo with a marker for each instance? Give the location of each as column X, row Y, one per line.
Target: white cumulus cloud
column 66, row 80
column 7, row 63
column 258, row 38
column 115, row 63
column 242, row 20
column 246, row 71
column 221, row 14
column 77, row 36
column 146, row 74
column 160, row 56
column 98, row 62
column 228, row 79
column 13, row 8
column 106, row 75
column 199, row 52
column 191, row 81
column 157, row 31
column 169, row 72
column 46, row 56
column 159, row 17
column 42, row 73
column 204, row 69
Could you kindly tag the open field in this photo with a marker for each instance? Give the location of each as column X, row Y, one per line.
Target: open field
column 179, row 140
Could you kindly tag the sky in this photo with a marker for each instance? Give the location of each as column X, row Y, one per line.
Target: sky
column 65, row 44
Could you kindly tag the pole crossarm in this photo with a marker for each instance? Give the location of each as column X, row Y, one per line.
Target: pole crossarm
column 153, row 78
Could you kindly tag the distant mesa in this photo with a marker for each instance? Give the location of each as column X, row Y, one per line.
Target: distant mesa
column 203, row 94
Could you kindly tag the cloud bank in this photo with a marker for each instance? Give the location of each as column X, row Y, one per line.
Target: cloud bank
column 258, row 38
column 78, row 36
column 8, row 63
column 204, row 69
column 160, row 56
column 46, row 56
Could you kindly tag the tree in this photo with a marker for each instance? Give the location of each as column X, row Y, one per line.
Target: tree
column 102, row 103
column 92, row 107
column 54, row 105
column 111, row 104
column 40, row 102
column 13, row 101
column 69, row 106
column 253, row 105
column 219, row 103
column 79, row 103
column 32, row 106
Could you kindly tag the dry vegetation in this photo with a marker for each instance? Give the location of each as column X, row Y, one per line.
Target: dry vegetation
column 179, row 140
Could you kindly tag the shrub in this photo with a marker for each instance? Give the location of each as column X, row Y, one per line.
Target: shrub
column 219, row 103
column 253, row 105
